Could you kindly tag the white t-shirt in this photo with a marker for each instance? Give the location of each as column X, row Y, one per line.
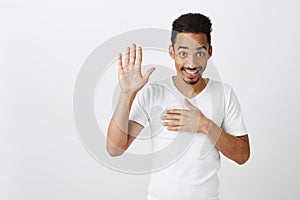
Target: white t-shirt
column 191, row 172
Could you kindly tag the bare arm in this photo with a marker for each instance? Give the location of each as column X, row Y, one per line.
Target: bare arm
column 121, row 131
column 193, row 120
column 236, row 148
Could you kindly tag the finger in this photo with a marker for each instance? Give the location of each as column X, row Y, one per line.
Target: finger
column 133, row 54
column 127, row 53
column 174, row 128
column 172, row 123
column 174, row 111
column 120, row 67
column 148, row 73
column 138, row 62
column 190, row 105
column 171, row 117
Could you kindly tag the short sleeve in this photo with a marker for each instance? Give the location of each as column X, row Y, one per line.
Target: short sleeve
column 139, row 108
column 233, row 122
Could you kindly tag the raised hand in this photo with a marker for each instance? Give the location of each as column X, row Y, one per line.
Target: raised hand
column 130, row 76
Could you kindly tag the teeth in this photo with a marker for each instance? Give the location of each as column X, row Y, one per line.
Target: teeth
column 191, row 71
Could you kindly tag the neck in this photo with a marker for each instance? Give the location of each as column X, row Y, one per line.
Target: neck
column 188, row 90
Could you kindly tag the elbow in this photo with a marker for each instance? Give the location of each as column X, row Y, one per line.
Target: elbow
column 113, row 151
column 243, row 159
column 112, row 154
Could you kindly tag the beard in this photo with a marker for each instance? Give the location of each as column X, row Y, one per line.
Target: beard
column 191, row 82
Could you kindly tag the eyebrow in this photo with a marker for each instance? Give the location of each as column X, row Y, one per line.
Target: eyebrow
column 184, row 47
column 203, row 47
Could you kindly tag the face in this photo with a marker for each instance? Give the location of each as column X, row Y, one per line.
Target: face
column 190, row 52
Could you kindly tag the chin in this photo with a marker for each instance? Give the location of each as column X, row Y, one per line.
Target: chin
column 191, row 82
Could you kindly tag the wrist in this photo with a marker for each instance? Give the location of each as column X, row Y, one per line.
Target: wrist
column 127, row 97
column 206, row 126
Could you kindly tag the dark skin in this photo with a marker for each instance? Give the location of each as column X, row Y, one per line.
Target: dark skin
column 185, row 53
column 190, row 51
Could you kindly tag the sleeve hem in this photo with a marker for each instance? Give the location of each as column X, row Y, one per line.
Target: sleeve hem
column 237, row 133
column 140, row 121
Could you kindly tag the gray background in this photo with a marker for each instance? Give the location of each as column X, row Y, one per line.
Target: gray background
column 43, row 45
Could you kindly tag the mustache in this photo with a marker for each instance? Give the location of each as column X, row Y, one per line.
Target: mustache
column 199, row 68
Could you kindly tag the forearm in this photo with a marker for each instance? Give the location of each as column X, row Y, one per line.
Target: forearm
column 117, row 134
column 235, row 148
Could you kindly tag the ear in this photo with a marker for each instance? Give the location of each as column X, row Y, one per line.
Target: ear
column 171, row 51
column 210, row 51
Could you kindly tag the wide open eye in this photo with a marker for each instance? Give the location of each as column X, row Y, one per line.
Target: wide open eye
column 182, row 54
column 200, row 54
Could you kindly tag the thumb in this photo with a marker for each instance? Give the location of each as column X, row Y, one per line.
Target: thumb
column 190, row 105
column 148, row 73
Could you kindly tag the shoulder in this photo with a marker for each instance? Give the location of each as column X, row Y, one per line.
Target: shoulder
column 156, row 87
column 220, row 87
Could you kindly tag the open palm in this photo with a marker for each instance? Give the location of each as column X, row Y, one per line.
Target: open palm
column 130, row 76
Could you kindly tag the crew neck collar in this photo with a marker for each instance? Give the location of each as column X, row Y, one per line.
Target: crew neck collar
column 205, row 89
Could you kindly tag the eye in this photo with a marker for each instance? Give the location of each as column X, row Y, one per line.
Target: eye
column 200, row 54
column 183, row 54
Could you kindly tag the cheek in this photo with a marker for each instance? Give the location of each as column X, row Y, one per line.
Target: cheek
column 179, row 63
column 202, row 62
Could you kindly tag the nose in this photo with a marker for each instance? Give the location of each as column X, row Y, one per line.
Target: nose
column 191, row 62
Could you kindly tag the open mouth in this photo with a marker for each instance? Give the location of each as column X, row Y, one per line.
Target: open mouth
column 191, row 72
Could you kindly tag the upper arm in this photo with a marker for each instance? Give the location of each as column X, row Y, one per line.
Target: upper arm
column 134, row 130
column 244, row 138
column 233, row 121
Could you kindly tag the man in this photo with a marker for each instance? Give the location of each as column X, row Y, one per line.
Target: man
column 204, row 109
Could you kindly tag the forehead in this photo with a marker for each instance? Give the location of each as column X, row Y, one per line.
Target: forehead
column 191, row 40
